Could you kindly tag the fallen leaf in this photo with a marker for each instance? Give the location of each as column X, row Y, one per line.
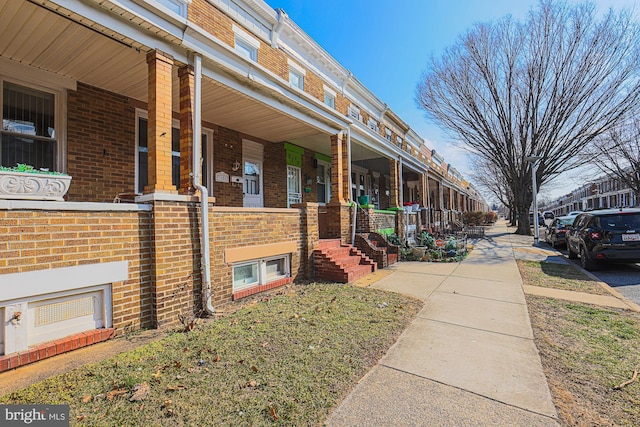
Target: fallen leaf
column 192, row 369
column 167, row 403
column 115, row 393
column 175, row 387
column 264, row 344
column 177, row 364
column 86, row 398
column 141, row 407
column 297, row 316
column 241, row 361
column 334, row 298
column 81, row 417
column 272, row 411
column 186, row 349
column 217, row 358
column 253, row 383
column 142, row 391
column 157, row 375
column 254, row 369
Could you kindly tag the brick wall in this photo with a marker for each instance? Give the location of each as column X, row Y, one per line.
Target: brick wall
column 233, row 228
column 100, row 144
column 176, row 273
column 227, row 149
column 39, row 240
column 275, row 176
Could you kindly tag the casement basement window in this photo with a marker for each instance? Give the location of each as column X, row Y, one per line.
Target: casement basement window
column 259, row 272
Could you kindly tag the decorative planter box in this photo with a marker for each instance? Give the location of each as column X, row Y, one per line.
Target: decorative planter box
column 33, row 186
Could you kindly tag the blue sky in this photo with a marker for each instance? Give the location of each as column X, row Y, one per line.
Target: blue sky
column 387, row 44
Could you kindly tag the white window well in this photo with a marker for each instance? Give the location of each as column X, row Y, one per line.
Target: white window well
column 261, row 271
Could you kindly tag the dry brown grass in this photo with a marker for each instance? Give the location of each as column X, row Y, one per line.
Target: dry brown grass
column 559, row 276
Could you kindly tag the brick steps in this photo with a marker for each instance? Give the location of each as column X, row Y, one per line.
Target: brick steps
column 341, row 263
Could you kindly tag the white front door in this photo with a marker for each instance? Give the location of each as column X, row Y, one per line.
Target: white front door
column 252, row 175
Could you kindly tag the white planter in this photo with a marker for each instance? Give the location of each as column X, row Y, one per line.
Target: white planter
column 415, row 207
column 33, row 186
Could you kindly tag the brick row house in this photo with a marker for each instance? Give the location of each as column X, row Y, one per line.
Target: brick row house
column 213, row 147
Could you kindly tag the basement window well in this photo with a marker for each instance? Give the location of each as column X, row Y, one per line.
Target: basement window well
column 46, row 305
column 259, row 272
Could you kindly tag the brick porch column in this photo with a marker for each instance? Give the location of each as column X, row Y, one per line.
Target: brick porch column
column 339, row 169
column 186, row 129
column 159, row 124
column 394, row 184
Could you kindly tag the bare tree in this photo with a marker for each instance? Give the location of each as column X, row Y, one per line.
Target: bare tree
column 617, row 154
column 545, row 87
column 489, row 177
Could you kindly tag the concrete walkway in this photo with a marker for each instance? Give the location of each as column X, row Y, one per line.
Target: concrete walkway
column 468, row 358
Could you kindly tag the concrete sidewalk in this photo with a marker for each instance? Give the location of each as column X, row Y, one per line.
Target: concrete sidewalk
column 468, row 358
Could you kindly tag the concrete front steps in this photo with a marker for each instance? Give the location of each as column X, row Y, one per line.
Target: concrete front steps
column 340, row 263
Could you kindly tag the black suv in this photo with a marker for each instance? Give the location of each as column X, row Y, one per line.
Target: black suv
column 610, row 235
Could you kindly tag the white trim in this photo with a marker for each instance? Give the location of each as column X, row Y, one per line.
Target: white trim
column 261, row 271
column 246, row 37
column 35, row 76
column 298, row 68
column 330, row 91
column 14, row 205
column 60, row 111
column 42, row 282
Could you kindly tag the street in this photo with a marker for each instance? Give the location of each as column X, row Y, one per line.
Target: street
column 624, row 278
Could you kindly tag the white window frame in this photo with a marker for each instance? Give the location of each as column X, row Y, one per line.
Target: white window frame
column 373, row 125
column 178, row 7
column 175, row 123
column 400, row 141
column 354, row 112
column 329, row 96
column 246, row 43
column 327, row 181
column 297, row 169
column 60, row 111
column 388, row 134
column 262, row 271
column 296, row 72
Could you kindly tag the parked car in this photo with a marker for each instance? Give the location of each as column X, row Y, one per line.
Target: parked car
column 574, row 213
column 548, row 217
column 540, row 220
column 609, row 235
column 555, row 234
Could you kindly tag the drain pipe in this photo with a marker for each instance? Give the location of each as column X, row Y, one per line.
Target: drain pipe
column 197, row 183
column 355, row 205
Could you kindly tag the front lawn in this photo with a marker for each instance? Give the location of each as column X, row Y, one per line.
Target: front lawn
column 284, row 360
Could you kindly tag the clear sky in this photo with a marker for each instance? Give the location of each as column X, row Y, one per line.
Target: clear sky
column 387, row 44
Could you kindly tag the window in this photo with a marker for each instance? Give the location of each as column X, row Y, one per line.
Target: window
column 246, row 45
column 354, row 113
column 373, row 125
column 329, row 97
column 296, row 75
column 399, row 142
column 323, row 179
column 176, row 6
column 296, row 79
column 387, row 134
column 261, row 271
column 142, row 173
column 143, row 153
column 28, row 127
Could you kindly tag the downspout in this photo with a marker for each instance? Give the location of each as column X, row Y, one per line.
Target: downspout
column 197, row 183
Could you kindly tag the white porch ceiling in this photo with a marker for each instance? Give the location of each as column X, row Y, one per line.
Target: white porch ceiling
column 76, row 48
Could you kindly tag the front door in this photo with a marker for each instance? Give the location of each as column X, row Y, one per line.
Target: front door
column 294, row 185
column 252, row 175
